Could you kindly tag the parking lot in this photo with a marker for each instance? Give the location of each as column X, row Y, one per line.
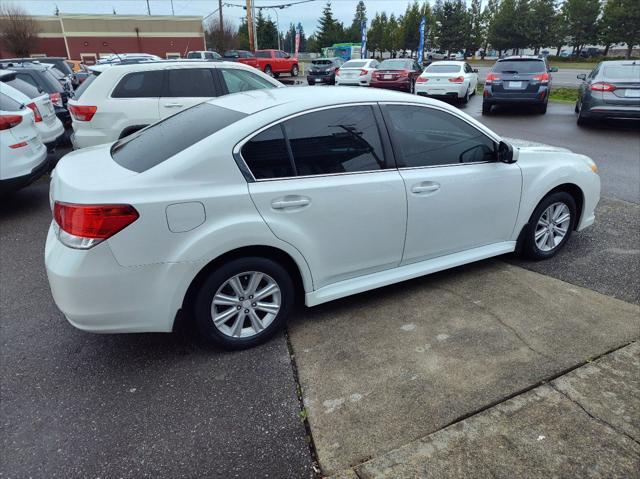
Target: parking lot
column 383, row 376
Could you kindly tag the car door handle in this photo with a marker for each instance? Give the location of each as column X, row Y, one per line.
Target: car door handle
column 173, row 105
column 290, row 202
column 426, row 187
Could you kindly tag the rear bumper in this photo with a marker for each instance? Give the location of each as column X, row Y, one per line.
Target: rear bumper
column 404, row 85
column 13, row 184
column 445, row 91
column 321, row 78
column 614, row 111
column 501, row 98
column 97, row 294
column 86, row 137
column 352, row 81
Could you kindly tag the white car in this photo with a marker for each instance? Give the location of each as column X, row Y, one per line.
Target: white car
column 23, row 156
column 47, row 123
column 448, row 79
column 203, row 55
column 356, row 72
column 119, row 100
column 120, row 57
column 231, row 210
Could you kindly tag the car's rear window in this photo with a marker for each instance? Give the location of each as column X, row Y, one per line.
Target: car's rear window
column 520, row 66
column 9, row 104
column 153, row 145
column 443, row 68
column 321, row 62
column 628, row 73
column 395, row 65
column 26, row 88
column 85, row 84
column 354, row 64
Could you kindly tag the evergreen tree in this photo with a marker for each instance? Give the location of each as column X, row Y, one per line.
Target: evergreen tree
column 303, row 38
column 411, row 26
column 582, row 21
column 267, row 31
column 353, row 33
column 501, row 31
column 375, row 33
column 543, row 24
column 454, row 25
column 620, row 23
column 488, row 16
column 329, row 30
column 476, row 27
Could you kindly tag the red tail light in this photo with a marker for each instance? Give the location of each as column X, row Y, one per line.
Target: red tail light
column 87, row 225
column 422, row 80
column 56, row 99
column 403, row 73
column 36, row 113
column 363, row 72
column 543, row 78
column 601, row 86
column 9, row 121
column 18, row 145
column 491, row 77
column 456, row 80
column 82, row 112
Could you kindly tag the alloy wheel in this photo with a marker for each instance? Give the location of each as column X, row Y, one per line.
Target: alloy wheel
column 552, row 226
column 246, row 304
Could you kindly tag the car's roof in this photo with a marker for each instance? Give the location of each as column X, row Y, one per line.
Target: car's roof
column 448, row 62
column 26, row 65
column 520, row 57
column 310, row 97
column 621, row 62
column 163, row 64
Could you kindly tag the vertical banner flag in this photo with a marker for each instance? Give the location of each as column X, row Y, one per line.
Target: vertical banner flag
column 363, row 40
column 297, row 42
column 423, row 22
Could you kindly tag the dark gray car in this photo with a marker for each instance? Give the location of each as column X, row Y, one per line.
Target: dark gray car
column 611, row 90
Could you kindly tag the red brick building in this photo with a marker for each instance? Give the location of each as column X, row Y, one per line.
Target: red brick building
column 89, row 37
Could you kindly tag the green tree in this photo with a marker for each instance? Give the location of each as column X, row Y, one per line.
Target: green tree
column 303, row 38
column 501, row 30
column 267, row 31
column 375, row 34
column 582, row 21
column 620, row 23
column 454, row 25
column 488, row 16
column 353, row 33
column 543, row 24
column 243, row 35
column 329, row 30
column 477, row 31
column 411, row 26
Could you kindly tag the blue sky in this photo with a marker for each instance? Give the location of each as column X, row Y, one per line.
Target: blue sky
column 306, row 13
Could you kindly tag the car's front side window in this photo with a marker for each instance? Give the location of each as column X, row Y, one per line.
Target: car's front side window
column 424, row 136
column 241, row 80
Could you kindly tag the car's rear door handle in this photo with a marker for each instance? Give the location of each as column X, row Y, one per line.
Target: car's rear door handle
column 173, row 105
column 425, row 187
column 291, row 201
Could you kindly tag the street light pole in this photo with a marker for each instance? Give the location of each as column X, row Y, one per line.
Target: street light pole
column 221, row 32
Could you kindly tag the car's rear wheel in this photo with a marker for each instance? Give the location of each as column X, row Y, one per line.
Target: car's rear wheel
column 294, row 71
column 583, row 120
column 465, row 98
column 268, row 70
column 550, row 226
column 486, row 109
column 542, row 109
column 243, row 302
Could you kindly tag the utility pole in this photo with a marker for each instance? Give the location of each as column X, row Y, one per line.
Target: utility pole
column 172, row 11
column 221, row 32
column 255, row 26
column 148, row 8
column 250, row 25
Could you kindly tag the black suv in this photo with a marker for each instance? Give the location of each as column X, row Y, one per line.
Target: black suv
column 41, row 77
column 518, row 80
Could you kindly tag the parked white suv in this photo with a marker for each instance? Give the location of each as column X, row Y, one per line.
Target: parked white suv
column 231, row 210
column 120, row 99
column 23, row 156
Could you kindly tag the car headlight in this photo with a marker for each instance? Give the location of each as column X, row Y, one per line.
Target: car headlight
column 592, row 164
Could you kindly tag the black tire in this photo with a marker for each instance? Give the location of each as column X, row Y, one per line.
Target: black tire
column 294, row 71
column 575, row 108
column 268, row 70
column 582, row 120
column 529, row 247
column 486, row 108
column 464, row 100
column 204, row 298
column 542, row 109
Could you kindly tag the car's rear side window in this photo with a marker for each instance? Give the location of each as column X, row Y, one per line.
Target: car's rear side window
column 24, row 87
column 153, row 145
column 9, row 104
column 520, row 66
column 241, row 80
column 191, row 82
column 84, row 85
column 266, row 155
column 139, row 85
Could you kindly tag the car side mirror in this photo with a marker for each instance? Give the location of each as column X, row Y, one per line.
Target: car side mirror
column 286, row 55
column 582, row 76
column 553, row 69
column 505, row 153
column 475, row 70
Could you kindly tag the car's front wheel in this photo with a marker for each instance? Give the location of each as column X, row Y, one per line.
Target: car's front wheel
column 243, row 302
column 294, row 71
column 550, row 226
column 268, row 70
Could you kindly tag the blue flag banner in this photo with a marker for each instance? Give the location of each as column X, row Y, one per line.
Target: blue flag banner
column 363, row 32
column 423, row 23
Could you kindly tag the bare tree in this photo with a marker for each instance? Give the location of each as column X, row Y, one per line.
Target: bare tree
column 18, row 30
column 229, row 35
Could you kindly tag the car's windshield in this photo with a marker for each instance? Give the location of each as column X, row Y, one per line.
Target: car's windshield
column 520, row 66
column 153, row 145
column 433, row 68
column 627, row 73
column 395, row 65
column 354, row 64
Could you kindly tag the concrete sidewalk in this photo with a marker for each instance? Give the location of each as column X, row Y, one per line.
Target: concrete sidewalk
column 403, row 363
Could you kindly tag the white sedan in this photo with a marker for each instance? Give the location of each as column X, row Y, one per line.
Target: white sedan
column 356, row 72
column 448, row 79
column 233, row 209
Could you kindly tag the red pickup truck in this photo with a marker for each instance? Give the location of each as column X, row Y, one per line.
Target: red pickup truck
column 241, row 56
column 274, row 62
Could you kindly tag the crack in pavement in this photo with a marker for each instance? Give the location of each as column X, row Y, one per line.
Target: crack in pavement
column 592, row 416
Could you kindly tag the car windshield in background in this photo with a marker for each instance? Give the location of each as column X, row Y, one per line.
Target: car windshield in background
column 394, row 65
column 626, row 73
column 153, row 145
column 321, row 62
column 354, row 64
column 520, row 66
column 443, row 68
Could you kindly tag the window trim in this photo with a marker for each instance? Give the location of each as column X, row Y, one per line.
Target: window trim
column 246, row 171
column 493, row 138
